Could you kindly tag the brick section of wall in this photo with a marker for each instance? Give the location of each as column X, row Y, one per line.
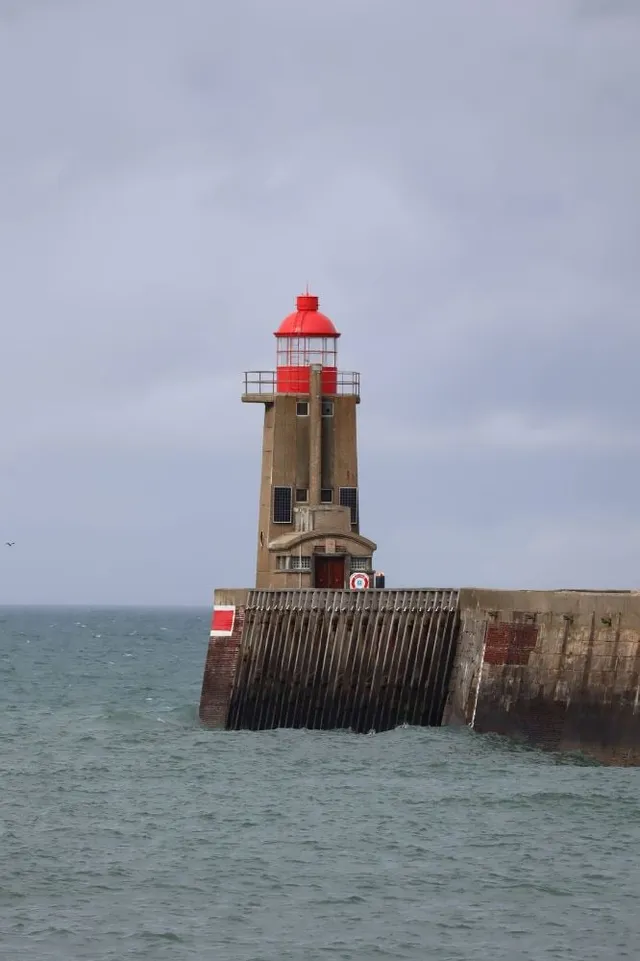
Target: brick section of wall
column 219, row 674
column 510, row 643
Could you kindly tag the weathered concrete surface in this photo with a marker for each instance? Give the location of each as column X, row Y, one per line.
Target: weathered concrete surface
column 560, row 670
column 557, row 669
column 463, row 690
column 364, row 660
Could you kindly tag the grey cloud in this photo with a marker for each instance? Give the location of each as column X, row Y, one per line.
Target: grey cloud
column 607, row 9
column 457, row 182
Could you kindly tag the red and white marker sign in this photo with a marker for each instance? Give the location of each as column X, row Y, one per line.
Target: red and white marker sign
column 359, row 581
column 222, row 621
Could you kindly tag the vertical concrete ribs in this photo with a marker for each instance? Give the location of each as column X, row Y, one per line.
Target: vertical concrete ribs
column 359, row 660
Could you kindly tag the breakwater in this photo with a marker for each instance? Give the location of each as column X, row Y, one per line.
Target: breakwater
column 365, row 660
column 557, row 669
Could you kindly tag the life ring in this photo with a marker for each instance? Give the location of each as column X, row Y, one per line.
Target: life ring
column 359, row 581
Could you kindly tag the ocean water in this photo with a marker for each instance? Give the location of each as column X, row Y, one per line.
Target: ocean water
column 127, row 831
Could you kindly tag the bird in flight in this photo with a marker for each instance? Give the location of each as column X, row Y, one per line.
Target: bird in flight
column 9, row 543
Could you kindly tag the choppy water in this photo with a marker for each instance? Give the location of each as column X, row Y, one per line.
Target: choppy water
column 126, row 831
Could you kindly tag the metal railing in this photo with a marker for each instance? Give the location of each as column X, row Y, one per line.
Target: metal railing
column 259, row 382
column 265, row 382
column 348, row 383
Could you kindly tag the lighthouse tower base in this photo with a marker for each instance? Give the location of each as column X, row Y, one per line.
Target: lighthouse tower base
column 555, row 669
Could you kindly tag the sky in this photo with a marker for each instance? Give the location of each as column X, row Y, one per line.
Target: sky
column 458, row 182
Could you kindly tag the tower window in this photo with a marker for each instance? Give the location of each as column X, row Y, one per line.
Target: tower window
column 302, row 408
column 302, row 495
column 327, row 408
column 326, row 495
column 300, row 562
column 293, row 562
column 361, row 564
column 282, row 505
column 349, row 498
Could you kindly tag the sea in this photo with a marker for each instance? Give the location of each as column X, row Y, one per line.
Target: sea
column 127, row 831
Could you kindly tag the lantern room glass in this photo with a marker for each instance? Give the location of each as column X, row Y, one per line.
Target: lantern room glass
column 304, row 351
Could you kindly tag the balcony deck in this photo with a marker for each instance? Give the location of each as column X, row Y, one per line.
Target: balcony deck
column 260, row 386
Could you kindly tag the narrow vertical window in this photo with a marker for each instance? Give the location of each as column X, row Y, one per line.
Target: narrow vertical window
column 349, row 498
column 282, row 505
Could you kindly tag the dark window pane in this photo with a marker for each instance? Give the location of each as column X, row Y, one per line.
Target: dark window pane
column 349, row 498
column 282, row 505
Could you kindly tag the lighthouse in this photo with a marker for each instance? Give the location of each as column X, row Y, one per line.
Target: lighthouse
column 309, row 518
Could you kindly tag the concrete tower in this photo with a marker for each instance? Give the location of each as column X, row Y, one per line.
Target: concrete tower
column 309, row 524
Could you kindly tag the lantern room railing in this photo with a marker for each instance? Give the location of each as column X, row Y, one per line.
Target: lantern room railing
column 258, row 382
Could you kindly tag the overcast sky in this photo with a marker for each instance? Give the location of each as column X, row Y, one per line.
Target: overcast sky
column 458, row 182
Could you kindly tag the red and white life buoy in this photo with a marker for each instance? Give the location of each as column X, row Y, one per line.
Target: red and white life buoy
column 359, row 581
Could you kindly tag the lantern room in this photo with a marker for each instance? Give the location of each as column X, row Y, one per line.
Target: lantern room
column 305, row 338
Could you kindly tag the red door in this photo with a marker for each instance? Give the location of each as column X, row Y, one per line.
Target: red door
column 329, row 572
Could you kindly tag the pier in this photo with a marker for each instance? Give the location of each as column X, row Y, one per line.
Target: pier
column 558, row 670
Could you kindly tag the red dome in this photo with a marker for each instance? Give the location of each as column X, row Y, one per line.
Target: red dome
column 307, row 321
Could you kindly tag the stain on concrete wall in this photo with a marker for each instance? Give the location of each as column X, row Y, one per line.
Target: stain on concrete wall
column 463, row 690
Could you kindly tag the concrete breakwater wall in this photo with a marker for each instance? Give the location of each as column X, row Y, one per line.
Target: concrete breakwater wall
column 365, row 660
column 557, row 669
